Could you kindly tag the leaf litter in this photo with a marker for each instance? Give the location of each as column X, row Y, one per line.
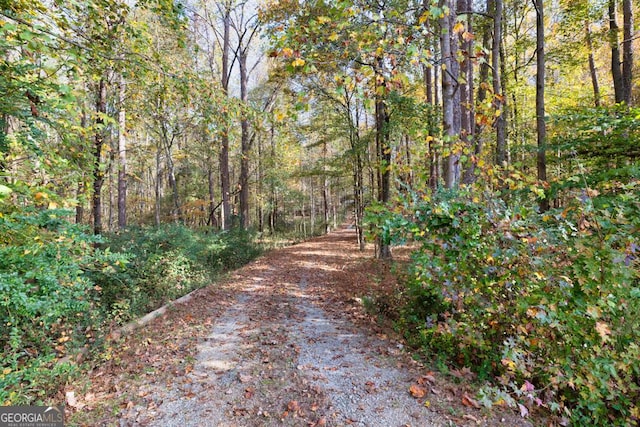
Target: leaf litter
column 283, row 341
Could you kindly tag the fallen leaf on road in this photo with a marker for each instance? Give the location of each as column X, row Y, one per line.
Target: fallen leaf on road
column 249, row 392
column 427, row 379
column 468, row 401
column 417, row 391
column 472, row 418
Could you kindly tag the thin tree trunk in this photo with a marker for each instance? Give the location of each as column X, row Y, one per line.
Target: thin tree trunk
column 122, row 156
column 592, row 65
column 225, row 183
column 383, row 150
column 627, row 51
column 467, row 94
column 325, row 189
column 173, row 183
column 158, row 186
column 451, row 113
column 616, row 71
column 540, row 103
column 499, row 98
column 245, row 144
column 98, row 173
column 80, row 205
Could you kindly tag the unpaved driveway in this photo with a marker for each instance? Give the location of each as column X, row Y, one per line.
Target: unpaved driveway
column 283, row 342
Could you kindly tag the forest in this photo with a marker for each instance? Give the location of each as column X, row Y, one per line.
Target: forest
column 148, row 146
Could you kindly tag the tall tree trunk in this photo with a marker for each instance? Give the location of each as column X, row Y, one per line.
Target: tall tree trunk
column 80, row 205
column 358, row 172
column 122, row 156
column 225, row 183
column 467, row 95
column 158, row 185
column 592, row 65
column 616, row 71
column 451, row 109
column 383, row 149
column 540, row 103
column 325, row 189
column 173, row 183
column 627, row 51
column 98, row 144
column 260, row 198
column 212, row 193
column 245, row 142
column 498, row 96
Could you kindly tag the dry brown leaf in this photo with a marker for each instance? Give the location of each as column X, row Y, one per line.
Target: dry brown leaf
column 468, row 401
column 293, row 406
column 427, row 379
column 417, row 391
column 249, row 392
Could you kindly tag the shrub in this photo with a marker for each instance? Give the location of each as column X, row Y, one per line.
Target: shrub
column 48, row 306
column 545, row 303
column 166, row 263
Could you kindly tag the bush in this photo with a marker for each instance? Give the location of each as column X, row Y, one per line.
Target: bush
column 166, row 263
column 48, row 306
column 545, row 303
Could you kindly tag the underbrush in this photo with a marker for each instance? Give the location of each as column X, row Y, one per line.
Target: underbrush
column 545, row 306
column 165, row 263
column 62, row 289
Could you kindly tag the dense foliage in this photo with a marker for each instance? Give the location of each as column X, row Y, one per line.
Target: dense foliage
column 545, row 303
column 63, row 289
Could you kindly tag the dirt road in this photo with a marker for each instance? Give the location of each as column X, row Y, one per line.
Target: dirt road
column 283, row 341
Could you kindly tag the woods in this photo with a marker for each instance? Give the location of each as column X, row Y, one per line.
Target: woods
column 499, row 139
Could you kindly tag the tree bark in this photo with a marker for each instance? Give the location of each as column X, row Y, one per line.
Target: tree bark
column 499, row 99
column 225, row 183
column 158, row 185
column 451, row 112
column 98, row 144
column 616, row 70
column 592, row 65
column 245, row 143
column 122, row 156
column 383, row 149
column 540, row 102
column 627, row 51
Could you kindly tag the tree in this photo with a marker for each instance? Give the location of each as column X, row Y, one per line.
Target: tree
column 541, row 126
column 627, row 51
column 451, row 115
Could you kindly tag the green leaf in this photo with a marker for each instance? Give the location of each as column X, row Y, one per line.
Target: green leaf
column 4, row 191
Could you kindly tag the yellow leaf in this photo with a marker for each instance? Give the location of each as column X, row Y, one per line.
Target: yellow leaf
column 458, row 28
column 423, row 18
column 298, row 62
column 287, row 52
column 40, row 195
column 6, row 371
column 323, row 19
column 333, row 37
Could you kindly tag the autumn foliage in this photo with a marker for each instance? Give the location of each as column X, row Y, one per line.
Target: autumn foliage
column 547, row 304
